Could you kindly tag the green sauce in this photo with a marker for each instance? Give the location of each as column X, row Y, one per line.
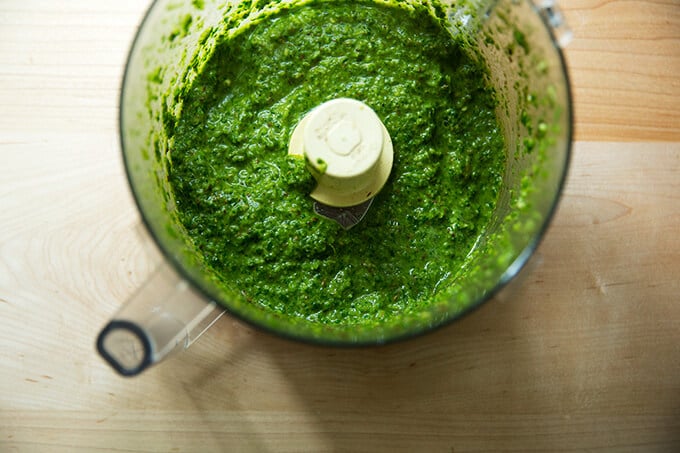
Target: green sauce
column 245, row 203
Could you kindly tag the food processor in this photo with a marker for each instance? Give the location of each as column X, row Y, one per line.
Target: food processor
column 519, row 41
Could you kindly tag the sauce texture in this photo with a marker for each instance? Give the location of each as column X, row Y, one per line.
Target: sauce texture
column 245, row 203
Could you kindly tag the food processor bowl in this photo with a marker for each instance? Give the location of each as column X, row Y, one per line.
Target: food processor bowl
column 519, row 41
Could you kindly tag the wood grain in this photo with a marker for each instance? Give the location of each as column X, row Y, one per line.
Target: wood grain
column 582, row 353
column 624, row 64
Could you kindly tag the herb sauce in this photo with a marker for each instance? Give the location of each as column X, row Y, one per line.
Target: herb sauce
column 245, row 203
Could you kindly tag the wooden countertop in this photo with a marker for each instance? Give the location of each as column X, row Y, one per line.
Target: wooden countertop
column 584, row 356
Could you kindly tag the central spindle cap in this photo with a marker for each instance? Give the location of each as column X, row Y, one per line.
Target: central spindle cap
column 348, row 150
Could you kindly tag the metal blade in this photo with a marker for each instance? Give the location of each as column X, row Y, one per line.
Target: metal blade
column 346, row 217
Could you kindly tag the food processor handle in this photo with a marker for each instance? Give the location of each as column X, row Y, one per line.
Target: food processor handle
column 164, row 315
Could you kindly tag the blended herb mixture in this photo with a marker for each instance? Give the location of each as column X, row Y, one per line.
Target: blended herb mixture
column 246, row 204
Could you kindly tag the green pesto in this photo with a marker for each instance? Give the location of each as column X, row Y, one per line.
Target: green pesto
column 245, row 203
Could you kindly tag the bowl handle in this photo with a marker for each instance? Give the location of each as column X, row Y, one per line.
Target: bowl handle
column 165, row 315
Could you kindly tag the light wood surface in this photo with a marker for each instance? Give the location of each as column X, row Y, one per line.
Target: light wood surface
column 583, row 354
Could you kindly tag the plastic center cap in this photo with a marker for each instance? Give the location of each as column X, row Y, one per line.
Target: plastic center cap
column 347, row 149
column 347, row 136
column 343, row 137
